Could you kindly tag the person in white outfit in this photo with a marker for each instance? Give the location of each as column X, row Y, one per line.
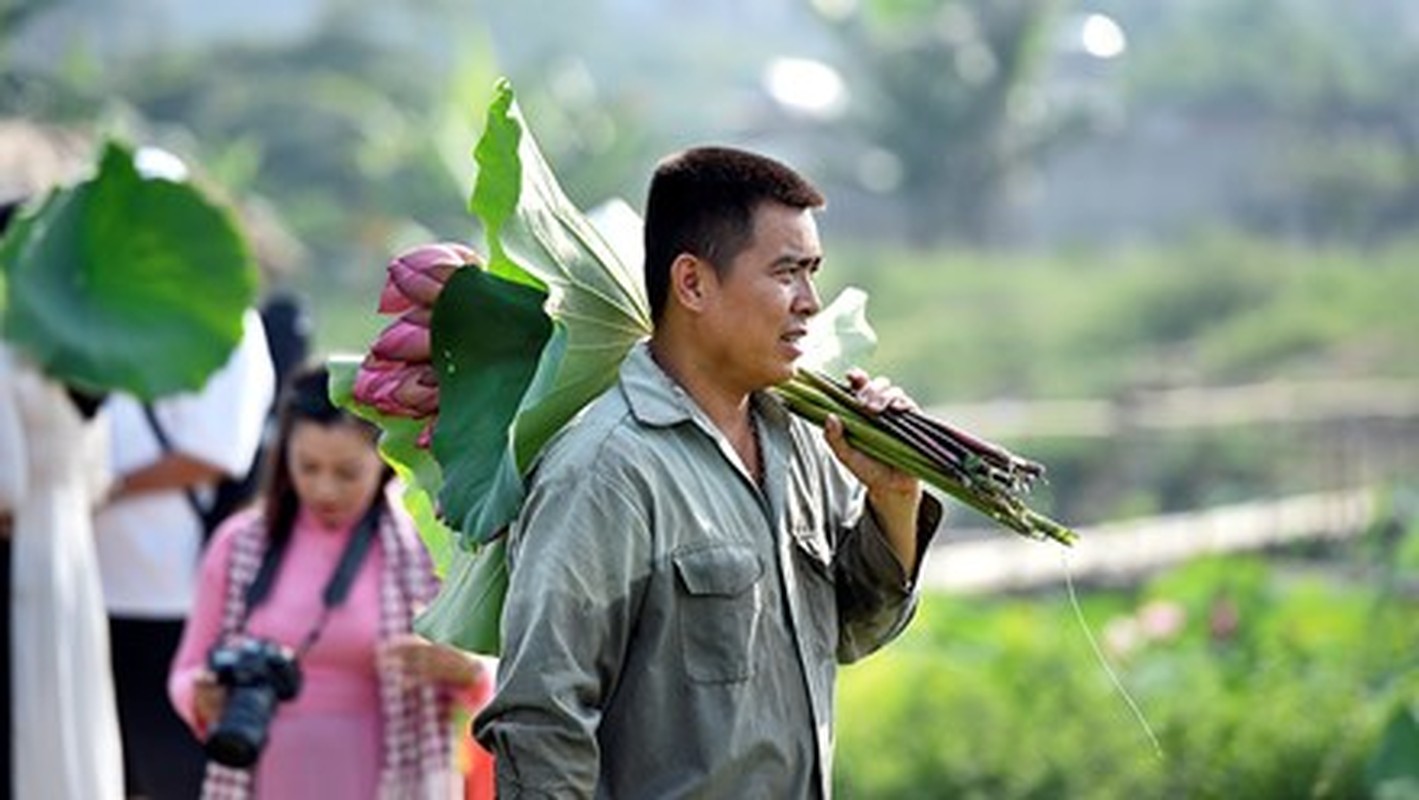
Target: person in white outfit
column 149, row 543
column 65, row 743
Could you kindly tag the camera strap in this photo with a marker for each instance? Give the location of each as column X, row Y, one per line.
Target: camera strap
column 337, row 588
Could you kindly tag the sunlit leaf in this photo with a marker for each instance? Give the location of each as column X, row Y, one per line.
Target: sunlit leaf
column 535, row 237
column 468, row 610
column 126, row 283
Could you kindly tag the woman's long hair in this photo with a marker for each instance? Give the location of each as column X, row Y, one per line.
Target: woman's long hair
column 306, row 399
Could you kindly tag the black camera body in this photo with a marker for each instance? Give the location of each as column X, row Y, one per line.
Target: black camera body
column 258, row 674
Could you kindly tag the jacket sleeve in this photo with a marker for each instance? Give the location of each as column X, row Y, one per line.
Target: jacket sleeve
column 876, row 597
column 574, row 556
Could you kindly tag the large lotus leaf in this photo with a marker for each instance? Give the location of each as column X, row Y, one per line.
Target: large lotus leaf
column 489, row 336
column 532, row 228
column 126, row 283
column 491, row 339
column 535, row 236
column 468, row 609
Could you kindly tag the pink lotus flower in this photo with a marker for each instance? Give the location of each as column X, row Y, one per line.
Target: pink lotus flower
column 375, row 381
column 396, row 377
column 397, row 388
column 393, row 301
column 417, row 391
column 404, row 340
column 417, row 275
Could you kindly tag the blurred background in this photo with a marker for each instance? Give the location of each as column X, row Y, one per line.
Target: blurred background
column 1170, row 249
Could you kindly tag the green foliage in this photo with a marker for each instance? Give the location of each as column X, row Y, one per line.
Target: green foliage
column 488, row 340
column 1337, row 122
column 536, row 238
column 961, row 325
column 347, row 129
column 938, row 86
column 1276, row 684
column 1394, row 771
column 121, row 282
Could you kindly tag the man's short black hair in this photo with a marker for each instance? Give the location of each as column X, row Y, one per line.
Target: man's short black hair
column 702, row 202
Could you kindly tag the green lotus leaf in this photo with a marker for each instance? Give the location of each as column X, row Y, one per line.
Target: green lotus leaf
column 592, row 310
column 535, row 237
column 468, row 610
column 126, row 283
column 489, row 336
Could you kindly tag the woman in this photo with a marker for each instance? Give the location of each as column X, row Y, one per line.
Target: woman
column 65, row 724
column 371, row 717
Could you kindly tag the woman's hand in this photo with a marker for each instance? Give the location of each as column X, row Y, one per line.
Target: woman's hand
column 431, row 662
column 208, row 699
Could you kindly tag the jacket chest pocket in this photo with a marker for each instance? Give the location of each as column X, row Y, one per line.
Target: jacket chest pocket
column 719, row 612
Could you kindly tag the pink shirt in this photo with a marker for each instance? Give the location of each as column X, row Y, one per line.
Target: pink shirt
column 327, row 742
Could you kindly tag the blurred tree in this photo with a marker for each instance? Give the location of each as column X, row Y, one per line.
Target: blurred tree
column 947, row 98
column 358, row 129
column 1328, row 86
column 14, row 13
column 346, row 127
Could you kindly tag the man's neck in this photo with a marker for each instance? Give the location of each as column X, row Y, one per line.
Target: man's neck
column 727, row 408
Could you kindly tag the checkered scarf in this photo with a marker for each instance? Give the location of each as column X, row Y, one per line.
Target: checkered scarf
column 417, row 752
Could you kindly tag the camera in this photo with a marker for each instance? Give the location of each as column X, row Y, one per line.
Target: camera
column 257, row 674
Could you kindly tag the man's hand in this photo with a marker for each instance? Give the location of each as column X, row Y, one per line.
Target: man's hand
column 893, row 494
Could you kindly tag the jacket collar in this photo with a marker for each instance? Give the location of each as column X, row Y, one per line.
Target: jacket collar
column 655, row 398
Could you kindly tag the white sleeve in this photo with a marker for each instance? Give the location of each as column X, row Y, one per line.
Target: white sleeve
column 13, row 454
column 222, row 424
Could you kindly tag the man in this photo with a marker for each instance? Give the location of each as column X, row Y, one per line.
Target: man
column 149, row 539
column 691, row 562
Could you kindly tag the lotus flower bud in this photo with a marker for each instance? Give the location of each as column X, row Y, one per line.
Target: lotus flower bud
column 393, row 301
column 404, row 340
column 396, row 388
column 423, row 317
column 420, row 273
column 417, row 391
column 375, row 380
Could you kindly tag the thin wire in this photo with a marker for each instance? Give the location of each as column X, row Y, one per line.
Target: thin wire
column 1103, row 661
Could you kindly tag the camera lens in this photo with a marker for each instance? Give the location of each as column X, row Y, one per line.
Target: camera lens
column 258, row 675
column 239, row 735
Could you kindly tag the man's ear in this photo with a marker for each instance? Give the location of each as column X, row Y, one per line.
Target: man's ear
column 689, row 277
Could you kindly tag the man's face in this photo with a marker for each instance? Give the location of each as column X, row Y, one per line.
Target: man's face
column 759, row 309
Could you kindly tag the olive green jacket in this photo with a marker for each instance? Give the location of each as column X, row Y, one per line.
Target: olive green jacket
column 672, row 629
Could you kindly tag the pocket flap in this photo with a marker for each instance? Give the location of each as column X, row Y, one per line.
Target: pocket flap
column 720, row 570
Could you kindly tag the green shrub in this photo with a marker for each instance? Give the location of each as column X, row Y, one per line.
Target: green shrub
column 1276, row 684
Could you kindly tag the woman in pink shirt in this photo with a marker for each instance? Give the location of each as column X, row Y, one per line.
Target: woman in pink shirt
column 309, row 602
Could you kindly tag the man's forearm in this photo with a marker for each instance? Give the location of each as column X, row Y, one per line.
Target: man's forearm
column 896, row 515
